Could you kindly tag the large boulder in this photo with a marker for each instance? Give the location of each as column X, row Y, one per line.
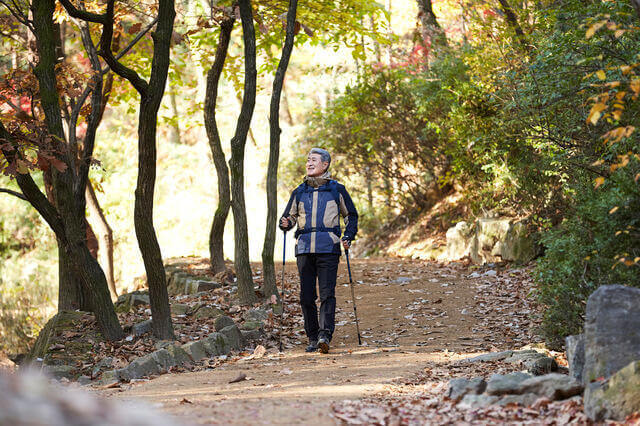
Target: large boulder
column 611, row 331
column 234, row 336
column 459, row 240
column 511, row 383
column 615, row 398
column 499, row 239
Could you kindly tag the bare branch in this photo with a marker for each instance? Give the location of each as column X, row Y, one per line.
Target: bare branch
column 83, row 14
column 14, row 193
column 105, row 51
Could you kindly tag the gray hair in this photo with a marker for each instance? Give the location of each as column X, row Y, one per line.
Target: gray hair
column 323, row 153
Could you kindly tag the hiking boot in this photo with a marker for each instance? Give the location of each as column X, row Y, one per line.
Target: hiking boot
column 323, row 345
column 313, row 346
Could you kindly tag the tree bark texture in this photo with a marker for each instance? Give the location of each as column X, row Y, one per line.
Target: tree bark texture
column 105, row 238
column 70, row 207
column 216, row 235
column 151, row 94
column 269, row 273
column 236, row 164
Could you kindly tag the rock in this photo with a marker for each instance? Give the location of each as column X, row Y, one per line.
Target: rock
column 491, row 356
column 109, row 377
column 611, row 331
column 472, row 401
column 499, row 384
column 180, row 309
column 163, row 359
column 142, row 327
column 575, row 355
column 252, row 336
column 60, row 371
column 84, row 380
column 222, row 322
column 205, row 312
column 553, row 386
column 488, row 234
column 202, row 285
column 103, row 364
column 541, row 366
column 252, row 325
column 524, row 356
column 460, row 387
column 61, row 320
column 402, row 280
column 615, row 398
column 234, row 337
column 29, row 398
column 131, row 300
column 175, row 285
column 517, row 245
column 459, row 240
column 141, row 367
column 216, row 344
column 195, row 350
column 525, row 400
column 501, row 239
column 178, row 354
column 257, row 315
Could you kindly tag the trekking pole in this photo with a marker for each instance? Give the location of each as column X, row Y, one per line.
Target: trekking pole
column 353, row 297
column 284, row 251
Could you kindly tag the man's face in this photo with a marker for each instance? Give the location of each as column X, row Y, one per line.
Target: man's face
column 315, row 165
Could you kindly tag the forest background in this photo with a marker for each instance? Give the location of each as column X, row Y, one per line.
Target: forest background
column 521, row 109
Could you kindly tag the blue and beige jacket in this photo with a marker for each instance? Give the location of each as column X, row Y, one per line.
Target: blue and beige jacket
column 317, row 211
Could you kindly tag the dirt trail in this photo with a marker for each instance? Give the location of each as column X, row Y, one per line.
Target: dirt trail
column 410, row 312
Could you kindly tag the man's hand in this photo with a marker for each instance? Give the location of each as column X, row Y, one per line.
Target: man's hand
column 346, row 244
column 284, row 223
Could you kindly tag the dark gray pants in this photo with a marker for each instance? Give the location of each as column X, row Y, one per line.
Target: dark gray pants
column 323, row 268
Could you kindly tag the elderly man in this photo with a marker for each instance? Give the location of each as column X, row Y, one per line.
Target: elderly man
column 316, row 206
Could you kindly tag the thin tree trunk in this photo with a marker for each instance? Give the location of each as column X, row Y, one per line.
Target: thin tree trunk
column 105, row 236
column 151, row 94
column 236, row 164
column 288, row 116
column 269, row 286
column 175, row 125
column 432, row 32
column 71, row 230
column 216, row 235
column 512, row 21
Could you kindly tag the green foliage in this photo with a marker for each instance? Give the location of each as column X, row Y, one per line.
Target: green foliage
column 581, row 255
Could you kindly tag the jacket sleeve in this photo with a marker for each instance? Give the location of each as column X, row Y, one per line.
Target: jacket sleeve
column 350, row 214
column 290, row 212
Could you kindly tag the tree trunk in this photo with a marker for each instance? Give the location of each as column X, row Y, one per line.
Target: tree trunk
column 512, row 21
column 105, row 236
column 269, row 273
column 432, row 32
column 175, row 125
column 238, row 143
column 151, row 94
column 216, row 236
column 71, row 228
column 71, row 292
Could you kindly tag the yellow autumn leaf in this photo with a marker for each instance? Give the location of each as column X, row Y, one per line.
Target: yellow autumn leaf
column 596, row 112
column 625, row 69
column 620, row 95
column 593, row 28
column 636, row 260
column 598, row 163
column 601, row 75
column 618, row 33
column 618, row 233
column 635, row 85
column 613, row 210
column 599, row 181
